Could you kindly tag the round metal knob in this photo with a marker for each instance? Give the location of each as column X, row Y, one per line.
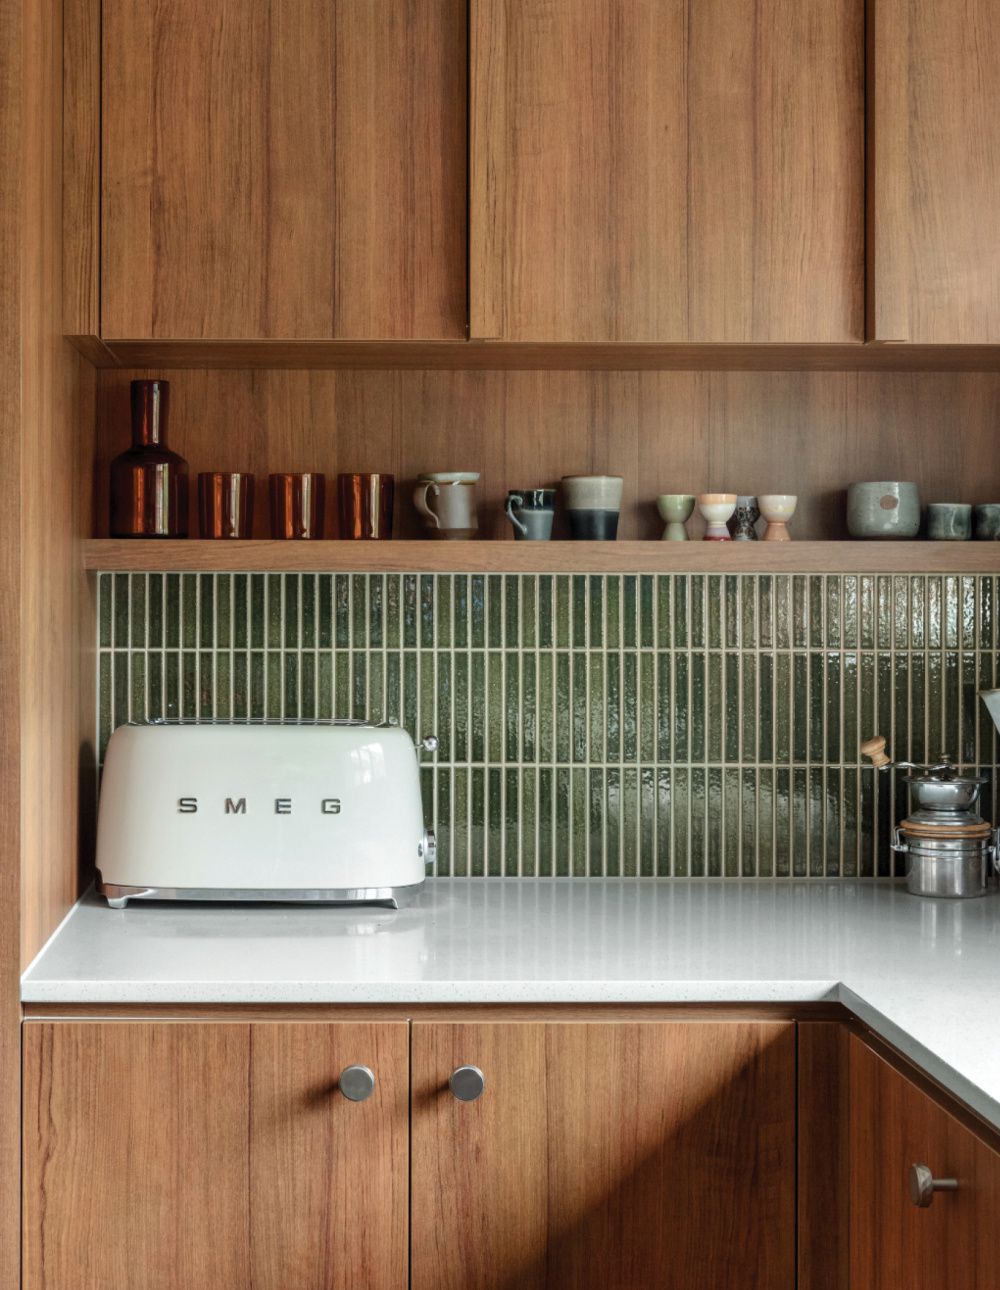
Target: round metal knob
column 923, row 1185
column 467, row 1083
column 357, row 1083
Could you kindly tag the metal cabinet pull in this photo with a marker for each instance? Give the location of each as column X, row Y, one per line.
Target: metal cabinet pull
column 467, row 1083
column 923, row 1185
column 357, row 1083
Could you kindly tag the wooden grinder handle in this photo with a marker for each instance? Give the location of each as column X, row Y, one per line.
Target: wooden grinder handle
column 875, row 749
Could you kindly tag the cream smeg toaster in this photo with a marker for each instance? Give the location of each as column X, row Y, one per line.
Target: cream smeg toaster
column 319, row 811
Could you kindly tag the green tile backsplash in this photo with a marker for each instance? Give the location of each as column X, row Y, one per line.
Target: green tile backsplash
column 688, row 725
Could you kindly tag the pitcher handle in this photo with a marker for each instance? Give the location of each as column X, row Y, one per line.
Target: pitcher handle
column 421, row 503
column 515, row 499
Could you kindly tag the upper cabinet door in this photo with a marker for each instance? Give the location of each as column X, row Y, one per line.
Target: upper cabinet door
column 656, row 170
column 936, row 172
column 284, row 171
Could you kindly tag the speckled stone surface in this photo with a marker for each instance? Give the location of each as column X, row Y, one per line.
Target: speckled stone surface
column 923, row 974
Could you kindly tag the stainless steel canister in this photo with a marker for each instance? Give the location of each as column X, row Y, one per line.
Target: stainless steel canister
column 951, row 867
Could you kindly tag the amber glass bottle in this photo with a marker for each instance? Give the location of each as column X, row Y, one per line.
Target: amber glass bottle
column 149, row 483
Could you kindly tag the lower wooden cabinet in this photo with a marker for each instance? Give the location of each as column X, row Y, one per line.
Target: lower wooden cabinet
column 896, row 1244
column 213, row 1156
column 570, row 1154
column 657, row 1155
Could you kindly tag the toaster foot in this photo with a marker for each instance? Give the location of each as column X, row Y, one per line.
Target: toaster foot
column 117, row 902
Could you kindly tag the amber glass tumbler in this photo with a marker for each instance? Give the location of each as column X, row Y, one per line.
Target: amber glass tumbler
column 149, row 483
column 364, row 505
column 225, row 504
column 297, row 505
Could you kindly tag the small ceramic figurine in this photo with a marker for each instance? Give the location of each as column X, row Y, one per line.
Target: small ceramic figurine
column 675, row 509
column 716, row 509
column 745, row 517
column 777, row 509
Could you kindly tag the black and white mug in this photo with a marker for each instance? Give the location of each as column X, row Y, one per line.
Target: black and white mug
column 530, row 510
column 593, row 504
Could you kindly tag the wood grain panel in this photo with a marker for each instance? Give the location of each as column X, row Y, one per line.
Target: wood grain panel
column 615, row 1154
column 893, row 1243
column 313, row 185
column 56, row 507
column 665, row 171
column 935, row 169
column 11, row 234
column 81, row 165
column 823, row 1159
column 806, row 433
column 164, row 1155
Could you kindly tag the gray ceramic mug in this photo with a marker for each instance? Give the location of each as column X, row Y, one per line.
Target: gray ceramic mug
column 531, row 511
column 883, row 509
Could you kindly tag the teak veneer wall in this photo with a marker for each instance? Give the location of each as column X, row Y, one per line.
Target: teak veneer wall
column 809, row 433
column 46, row 460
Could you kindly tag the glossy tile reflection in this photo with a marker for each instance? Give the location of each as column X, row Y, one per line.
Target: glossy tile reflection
column 633, row 725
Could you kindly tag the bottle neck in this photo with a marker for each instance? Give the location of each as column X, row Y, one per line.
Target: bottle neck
column 150, row 404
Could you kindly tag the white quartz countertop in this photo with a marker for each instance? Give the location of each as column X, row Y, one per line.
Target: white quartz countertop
column 922, row 973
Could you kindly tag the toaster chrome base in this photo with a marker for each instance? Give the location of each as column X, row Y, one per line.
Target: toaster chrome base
column 393, row 897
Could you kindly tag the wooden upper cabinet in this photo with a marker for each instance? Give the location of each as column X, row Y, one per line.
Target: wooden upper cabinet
column 166, row 1154
column 935, row 172
column 951, row 1244
column 283, row 171
column 612, row 1155
column 656, row 170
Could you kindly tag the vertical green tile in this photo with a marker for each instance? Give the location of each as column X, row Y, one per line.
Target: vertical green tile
column 408, row 611
column 596, row 712
column 546, row 822
column 546, row 612
column 579, row 816
column 713, row 707
column 598, row 825
column 459, row 749
column 526, row 599
column 307, row 685
column 630, row 707
column 749, row 727
column 255, row 611
column 443, row 612
column 288, row 627
column 698, row 803
column 630, row 611
column 579, row 706
column 681, row 708
column 579, row 611
column 477, row 822
column 137, row 625
column 800, row 611
column 393, row 610
column 697, row 611
column 563, row 824
column 443, row 701
column 307, row 610
column 121, row 618
column 653, row 861
column 495, row 702
column 664, row 698
column 664, row 598
column 494, row 610
column 715, row 610
column 513, row 710
column 595, row 596
column 105, row 592
column 528, row 830
column 426, row 611
column 816, row 611
column 764, row 823
column 647, row 621
column 460, row 599
column 630, row 860
column 818, row 714
column 512, row 612
column 613, row 612
column 647, row 707
column 613, row 709
column 729, row 711
column 675, row 813
column 459, row 860
column 680, row 613
column 834, row 603
column 509, row 817
column 443, row 824
column 732, row 831
column 714, row 823
column 562, row 598
column 359, row 612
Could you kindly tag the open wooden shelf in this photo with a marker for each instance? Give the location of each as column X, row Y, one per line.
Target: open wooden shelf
column 374, row 355
column 545, row 557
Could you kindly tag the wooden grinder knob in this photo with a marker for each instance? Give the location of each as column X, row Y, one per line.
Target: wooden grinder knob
column 875, row 749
